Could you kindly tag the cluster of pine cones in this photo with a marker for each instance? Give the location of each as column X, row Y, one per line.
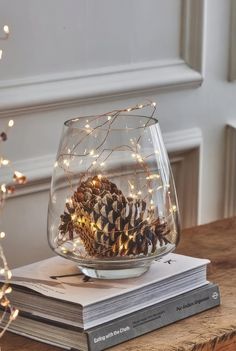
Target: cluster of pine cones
column 110, row 224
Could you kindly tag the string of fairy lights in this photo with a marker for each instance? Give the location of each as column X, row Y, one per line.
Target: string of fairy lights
column 100, row 155
column 8, row 312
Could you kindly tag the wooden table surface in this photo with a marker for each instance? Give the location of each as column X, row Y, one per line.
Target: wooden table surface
column 213, row 330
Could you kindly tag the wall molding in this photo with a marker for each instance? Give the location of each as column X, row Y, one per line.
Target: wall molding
column 232, row 50
column 66, row 89
column 192, row 36
column 186, row 168
column 230, row 171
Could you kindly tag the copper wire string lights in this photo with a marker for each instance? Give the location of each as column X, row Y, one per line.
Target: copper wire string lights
column 8, row 312
column 112, row 195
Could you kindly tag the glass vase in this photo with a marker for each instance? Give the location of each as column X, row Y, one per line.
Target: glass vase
column 113, row 207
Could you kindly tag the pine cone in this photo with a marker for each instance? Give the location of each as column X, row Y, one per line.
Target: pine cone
column 108, row 223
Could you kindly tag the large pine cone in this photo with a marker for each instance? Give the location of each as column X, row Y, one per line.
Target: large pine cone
column 110, row 224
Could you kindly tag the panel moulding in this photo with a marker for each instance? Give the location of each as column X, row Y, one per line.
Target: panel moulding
column 232, row 49
column 230, row 171
column 69, row 88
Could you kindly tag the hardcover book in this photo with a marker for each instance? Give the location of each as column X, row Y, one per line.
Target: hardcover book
column 55, row 289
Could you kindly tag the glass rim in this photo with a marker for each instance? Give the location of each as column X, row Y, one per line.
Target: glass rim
column 71, row 123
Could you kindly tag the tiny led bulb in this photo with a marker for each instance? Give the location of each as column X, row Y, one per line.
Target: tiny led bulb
column 5, row 162
column 73, row 217
column 87, row 126
column 2, row 235
column 11, row 123
column 8, row 290
column 5, row 302
column 6, row 29
column 3, row 188
column 154, row 104
column 108, row 118
column 14, row 315
column 9, row 274
column 92, row 152
column 0, row 54
column 19, row 177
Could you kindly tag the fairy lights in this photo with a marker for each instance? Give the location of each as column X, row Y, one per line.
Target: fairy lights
column 9, row 313
column 140, row 189
column 6, row 32
column 11, row 123
column 6, row 29
column 5, row 273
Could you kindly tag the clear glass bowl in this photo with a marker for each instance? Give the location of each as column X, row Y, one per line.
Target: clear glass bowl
column 113, row 207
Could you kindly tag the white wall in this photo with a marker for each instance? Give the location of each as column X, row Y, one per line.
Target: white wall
column 82, row 57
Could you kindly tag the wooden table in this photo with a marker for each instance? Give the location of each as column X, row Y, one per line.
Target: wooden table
column 213, row 330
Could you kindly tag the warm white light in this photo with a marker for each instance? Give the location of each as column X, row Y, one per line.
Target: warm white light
column 11, row 123
column 102, row 164
column 8, row 290
column 3, row 188
column 55, row 164
column 2, row 235
column 154, row 104
column 6, row 29
column 99, row 176
column 153, row 176
column 139, row 192
column 140, row 106
column 129, row 109
column 92, row 152
column 87, row 126
column 73, row 217
column 9, row 274
column 94, row 162
column 108, row 118
column 14, row 315
column 5, row 162
column 1, row 54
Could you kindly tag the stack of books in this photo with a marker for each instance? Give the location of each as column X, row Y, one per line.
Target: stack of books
column 60, row 306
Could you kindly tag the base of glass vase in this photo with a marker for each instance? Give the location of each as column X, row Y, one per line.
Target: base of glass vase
column 114, row 273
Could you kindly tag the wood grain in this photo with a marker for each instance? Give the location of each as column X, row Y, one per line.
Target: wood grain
column 213, row 330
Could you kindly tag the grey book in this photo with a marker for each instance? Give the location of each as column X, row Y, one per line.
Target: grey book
column 121, row 329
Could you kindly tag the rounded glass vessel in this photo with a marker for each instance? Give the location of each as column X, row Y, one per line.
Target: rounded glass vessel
column 113, row 207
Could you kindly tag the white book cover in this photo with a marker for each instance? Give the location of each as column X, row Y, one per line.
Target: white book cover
column 59, row 278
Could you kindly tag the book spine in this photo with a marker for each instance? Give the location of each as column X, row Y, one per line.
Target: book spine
column 149, row 319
